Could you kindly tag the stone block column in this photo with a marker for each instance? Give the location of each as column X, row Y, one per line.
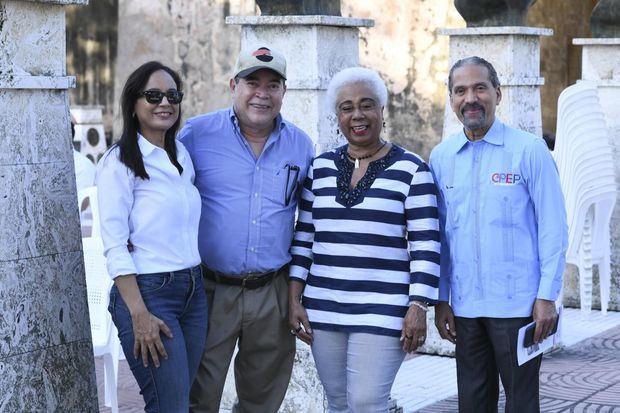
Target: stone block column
column 315, row 47
column 601, row 64
column 46, row 359
column 515, row 54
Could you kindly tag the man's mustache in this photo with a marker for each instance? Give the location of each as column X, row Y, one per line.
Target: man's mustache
column 472, row 106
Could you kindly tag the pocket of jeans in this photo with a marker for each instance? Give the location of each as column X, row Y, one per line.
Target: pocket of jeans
column 152, row 283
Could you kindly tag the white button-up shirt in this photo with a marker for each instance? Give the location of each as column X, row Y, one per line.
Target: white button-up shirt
column 160, row 215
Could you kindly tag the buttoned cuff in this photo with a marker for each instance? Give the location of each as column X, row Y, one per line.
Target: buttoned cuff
column 119, row 262
column 549, row 289
column 444, row 288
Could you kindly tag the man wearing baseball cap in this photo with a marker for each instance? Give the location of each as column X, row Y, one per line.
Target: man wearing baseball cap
column 250, row 164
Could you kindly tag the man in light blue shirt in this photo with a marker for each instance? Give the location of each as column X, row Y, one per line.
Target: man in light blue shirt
column 504, row 238
column 250, row 164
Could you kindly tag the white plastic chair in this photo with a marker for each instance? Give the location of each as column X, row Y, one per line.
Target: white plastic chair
column 90, row 193
column 585, row 164
column 104, row 333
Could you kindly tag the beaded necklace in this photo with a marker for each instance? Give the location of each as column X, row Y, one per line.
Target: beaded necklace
column 370, row 155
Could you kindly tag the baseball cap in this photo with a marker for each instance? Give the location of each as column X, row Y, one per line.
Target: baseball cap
column 262, row 57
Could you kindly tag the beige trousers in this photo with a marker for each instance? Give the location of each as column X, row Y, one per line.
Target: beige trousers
column 257, row 321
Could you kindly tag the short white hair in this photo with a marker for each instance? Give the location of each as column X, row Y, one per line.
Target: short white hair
column 354, row 75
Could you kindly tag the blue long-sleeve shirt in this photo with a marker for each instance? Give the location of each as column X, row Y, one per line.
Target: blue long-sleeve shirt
column 248, row 204
column 504, row 231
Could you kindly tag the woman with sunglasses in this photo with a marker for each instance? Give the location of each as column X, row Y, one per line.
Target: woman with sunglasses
column 149, row 211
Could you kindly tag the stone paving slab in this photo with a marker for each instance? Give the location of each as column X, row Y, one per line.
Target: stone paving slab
column 414, row 391
column 129, row 398
column 583, row 377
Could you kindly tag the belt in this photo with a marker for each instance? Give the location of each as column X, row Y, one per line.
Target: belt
column 251, row 281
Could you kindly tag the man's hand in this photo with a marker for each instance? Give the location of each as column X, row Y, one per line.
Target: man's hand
column 444, row 321
column 545, row 315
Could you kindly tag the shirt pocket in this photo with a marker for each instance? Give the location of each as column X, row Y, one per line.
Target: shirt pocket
column 283, row 182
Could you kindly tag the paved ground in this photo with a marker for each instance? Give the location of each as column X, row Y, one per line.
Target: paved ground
column 129, row 398
column 583, row 377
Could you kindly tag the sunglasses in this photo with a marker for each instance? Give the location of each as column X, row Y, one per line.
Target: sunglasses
column 156, row 96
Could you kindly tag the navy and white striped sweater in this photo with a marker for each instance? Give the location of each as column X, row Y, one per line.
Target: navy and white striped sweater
column 365, row 254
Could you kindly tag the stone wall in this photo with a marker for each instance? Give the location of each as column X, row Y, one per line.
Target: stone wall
column 91, row 55
column 403, row 46
column 413, row 60
column 560, row 60
column 188, row 35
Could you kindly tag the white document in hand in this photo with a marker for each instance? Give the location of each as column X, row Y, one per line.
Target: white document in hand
column 525, row 354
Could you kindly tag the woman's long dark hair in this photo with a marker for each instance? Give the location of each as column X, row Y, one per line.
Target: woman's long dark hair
column 129, row 151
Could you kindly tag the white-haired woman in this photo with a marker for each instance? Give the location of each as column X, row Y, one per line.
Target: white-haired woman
column 365, row 253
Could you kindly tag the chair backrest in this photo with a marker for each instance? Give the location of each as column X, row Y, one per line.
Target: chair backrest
column 98, row 284
column 585, row 161
column 90, row 193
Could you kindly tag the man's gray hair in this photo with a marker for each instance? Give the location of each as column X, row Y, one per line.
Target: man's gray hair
column 474, row 60
column 354, row 75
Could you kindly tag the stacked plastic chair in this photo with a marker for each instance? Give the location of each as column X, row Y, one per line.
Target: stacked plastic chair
column 98, row 283
column 585, row 164
column 90, row 194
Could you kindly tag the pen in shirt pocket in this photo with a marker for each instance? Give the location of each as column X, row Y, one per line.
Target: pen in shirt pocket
column 289, row 189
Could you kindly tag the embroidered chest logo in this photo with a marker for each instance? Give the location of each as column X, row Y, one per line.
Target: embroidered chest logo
column 505, row 178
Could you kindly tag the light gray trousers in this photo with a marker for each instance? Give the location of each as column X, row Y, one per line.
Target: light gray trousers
column 357, row 370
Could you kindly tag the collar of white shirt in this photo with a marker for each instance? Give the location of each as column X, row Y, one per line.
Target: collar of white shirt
column 145, row 146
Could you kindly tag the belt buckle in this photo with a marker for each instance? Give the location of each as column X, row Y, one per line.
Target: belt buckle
column 251, row 277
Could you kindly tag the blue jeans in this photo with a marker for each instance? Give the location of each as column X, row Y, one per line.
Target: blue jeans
column 178, row 298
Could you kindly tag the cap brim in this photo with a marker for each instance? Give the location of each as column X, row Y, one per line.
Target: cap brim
column 248, row 72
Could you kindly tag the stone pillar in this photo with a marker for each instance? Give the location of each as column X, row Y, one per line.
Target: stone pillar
column 46, row 359
column 316, row 47
column 601, row 63
column 515, row 54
